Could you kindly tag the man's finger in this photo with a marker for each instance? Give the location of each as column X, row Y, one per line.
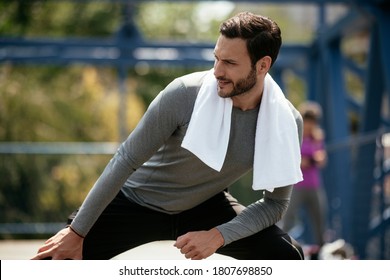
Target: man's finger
column 181, row 241
column 45, row 247
column 42, row 256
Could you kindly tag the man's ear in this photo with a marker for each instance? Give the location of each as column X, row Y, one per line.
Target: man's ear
column 264, row 64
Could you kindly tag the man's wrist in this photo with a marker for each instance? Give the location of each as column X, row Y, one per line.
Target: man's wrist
column 74, row 231
column 219, row 237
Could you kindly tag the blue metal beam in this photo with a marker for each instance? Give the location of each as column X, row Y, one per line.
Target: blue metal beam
column 59, row 148
column 377, row 84
column 124, row 52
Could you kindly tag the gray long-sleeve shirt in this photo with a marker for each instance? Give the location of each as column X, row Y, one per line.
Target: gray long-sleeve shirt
column 153, row 170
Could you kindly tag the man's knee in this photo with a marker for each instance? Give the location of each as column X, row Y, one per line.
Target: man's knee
column 297, row 250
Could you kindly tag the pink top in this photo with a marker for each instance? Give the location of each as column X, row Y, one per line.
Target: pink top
column 311, row 174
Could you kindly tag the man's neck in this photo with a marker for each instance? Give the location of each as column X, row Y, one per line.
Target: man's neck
column 249, row 100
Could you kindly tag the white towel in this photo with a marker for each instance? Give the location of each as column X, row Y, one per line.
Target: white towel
column 277, row 150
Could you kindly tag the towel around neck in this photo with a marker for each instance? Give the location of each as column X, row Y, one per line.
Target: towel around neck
column 277, row 149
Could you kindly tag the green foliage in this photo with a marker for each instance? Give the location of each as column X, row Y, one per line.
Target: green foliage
column 59, row 18
column 180, row 22
column 52, row 104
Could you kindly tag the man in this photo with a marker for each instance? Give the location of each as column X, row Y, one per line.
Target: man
column 169, row 179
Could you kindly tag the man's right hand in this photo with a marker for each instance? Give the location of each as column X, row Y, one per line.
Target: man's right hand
column 66, row 244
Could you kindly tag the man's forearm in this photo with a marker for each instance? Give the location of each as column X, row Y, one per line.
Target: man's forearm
column 257, row 216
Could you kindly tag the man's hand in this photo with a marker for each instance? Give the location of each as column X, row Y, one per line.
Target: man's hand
column 66, row 244
column 199, row 245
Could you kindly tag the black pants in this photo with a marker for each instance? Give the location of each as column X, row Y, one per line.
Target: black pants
column 124, row 225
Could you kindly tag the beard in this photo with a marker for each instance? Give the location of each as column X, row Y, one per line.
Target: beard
column 241, row 86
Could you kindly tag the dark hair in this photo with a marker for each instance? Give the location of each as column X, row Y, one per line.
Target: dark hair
column 309, row 115
column 310, row 110
column 262, row 35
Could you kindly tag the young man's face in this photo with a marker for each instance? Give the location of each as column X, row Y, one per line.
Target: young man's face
column 233, row 68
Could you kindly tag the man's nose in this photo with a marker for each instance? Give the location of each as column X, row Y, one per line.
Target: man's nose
column 218, row 69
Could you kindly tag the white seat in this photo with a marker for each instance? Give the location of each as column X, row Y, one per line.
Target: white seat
column 159, row 250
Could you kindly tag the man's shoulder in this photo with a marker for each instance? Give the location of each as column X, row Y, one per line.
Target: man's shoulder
column 193, row 79
column 298, row 120
column 184, row 89
column 294, row 111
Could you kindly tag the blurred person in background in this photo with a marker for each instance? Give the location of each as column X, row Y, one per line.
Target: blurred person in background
column 309, row 195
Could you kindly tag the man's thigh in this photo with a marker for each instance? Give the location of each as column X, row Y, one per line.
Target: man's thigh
column 217, row 210
column 124, row 225
column 271, row 243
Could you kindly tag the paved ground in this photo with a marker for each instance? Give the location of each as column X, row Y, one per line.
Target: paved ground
column 18, row 249
column 25, row 249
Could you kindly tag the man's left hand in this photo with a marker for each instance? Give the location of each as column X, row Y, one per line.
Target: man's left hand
column 199, row 245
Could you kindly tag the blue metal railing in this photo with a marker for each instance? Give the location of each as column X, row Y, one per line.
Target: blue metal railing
column 361, row 219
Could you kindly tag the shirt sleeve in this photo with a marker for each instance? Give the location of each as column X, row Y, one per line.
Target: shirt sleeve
column 258, row 215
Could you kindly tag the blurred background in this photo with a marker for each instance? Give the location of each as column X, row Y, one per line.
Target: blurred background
column 76, row 77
